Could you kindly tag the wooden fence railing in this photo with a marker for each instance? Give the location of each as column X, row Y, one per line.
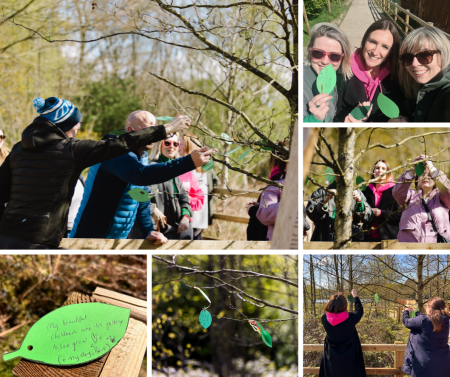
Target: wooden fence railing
column 240, row 193
column 394, row 15
column 383, row 245
column 399, row 353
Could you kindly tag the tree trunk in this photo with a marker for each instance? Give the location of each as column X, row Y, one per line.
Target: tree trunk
column 313, row 284
column 350, row 276
column 344, row 215
column 420, row 282
column 336, row 266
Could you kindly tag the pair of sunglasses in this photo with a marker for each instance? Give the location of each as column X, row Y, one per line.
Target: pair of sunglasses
column 423, row 57
column 317, row 54
column 176, row 144
column 2, row 137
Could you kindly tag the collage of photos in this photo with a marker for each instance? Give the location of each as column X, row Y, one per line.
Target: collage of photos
column 149, row 154
column 376, row 198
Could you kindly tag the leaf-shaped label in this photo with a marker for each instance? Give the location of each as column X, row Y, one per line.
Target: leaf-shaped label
column 326, row 80
column 139, row 195
column 306, row 180
column 208, row 166
column 359, row 179
column 376, row 297
column 165, row 119
column 412, row 314
column 267, row 149
column 266, row 338
column 118, row 132
column 360, row 112
column 74, row 334
column 227, row 139
column 179, row 281
column 387, row 106
column 329, row 175
column 244, row 154
column 350, row 298
column 420, row 169
column 205, row 319
column 232, row 151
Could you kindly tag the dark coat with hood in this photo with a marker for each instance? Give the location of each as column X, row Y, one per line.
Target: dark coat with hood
column 342, row 353
column 322, row 218
column 38, row 177
column 389, row 213
column 432, row 103
column 427, row 353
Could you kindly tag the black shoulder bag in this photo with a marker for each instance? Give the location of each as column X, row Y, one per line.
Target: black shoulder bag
column 440, row 237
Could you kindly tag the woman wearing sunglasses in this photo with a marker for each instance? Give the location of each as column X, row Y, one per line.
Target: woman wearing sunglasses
column 328, row 45
column 425, row 74
column 374, row 66
column 4, row 150
column 170, row 204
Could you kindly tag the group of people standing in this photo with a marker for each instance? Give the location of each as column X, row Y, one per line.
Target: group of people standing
column 388, row 209
column 413, row 73
column 427, row 352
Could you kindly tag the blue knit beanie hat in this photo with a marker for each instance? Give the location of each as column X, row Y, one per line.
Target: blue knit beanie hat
column 59, row 111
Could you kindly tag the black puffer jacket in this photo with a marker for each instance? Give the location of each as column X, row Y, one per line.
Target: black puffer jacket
column 38, row 178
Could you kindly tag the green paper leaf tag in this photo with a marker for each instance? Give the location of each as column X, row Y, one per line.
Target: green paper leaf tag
column 179, row 281
column 326, row 80
column 208, row 166
column 420, row 168
column 232, row 151
column 74, row 334
column 139, row 195
column 412, row 314
column 376, row 297
column 118, row 132
column 360, row 112
column 387, row 106
column 205, row 319
column 350, row 298
column 244, row 154
column 306, row 180
column 165, row 119
column 359, row 180
column 329, row 175
column 266, row 338
column 227, row 139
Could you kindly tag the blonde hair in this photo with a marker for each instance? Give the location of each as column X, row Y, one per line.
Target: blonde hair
column 190, row 146
column 416, row 40
column 325, row 29
column 4, row 150
column 156, row 149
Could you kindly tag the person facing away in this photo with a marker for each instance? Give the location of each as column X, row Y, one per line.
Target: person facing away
column 38, row 177
column 107, row 210
column 342, row 353
column 4, row 150
column 427, row 353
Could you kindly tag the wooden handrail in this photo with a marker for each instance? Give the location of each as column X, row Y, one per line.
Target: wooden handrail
column 242, row 193
column 365, row 347
column 383, row 245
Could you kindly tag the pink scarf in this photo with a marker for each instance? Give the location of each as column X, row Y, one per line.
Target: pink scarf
column 370, row 85
column 336, row 319
column 377, row 193
column 274, row 171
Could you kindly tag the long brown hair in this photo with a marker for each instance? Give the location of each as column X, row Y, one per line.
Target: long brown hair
column 4, row 150
column 337, row 304
column 392, row 60
column 437, row 306
column 388, row 167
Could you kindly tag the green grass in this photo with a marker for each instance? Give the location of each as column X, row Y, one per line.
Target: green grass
column 324, row 16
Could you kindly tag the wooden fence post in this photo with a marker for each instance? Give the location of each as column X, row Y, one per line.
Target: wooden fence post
column 398, row 359
column 329, row 6
column 395, row 13
column 406, row 21
column 305, row 16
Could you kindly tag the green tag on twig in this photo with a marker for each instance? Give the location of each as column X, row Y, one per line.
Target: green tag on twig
column 329, row 175
column 420, row 169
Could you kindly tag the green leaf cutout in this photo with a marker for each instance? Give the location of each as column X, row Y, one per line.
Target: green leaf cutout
column 74, row 334
column 118, row 132
column 263, row 145
column 267, row 149
column 232, row 151
column 244, row 154
column 179, row 281
column 227, row 139
column 205, row 319
column 326, row 80
column 329, row 175
column 412, row 314
column 420, row 168
column 387, row 106
column 208, row 166
column 350, row 298
column 360, row 112
column 376, row 297
column 267, row 339
column 139, row 195
column 165, row 119
column 306, row 180
column 359, row 180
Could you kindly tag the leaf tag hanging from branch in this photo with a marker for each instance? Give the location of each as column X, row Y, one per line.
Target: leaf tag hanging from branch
column 267, row 339
column 412, row 314
column 376, row 297
column 139, row 195
column 359, row 180
column 329, row 175
column 205, row 318
column 164, row 119
column 226, row 138
column 350, row 298
column 420, row 168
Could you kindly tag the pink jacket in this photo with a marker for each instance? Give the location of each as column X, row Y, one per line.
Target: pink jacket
column 268, row 207
column 414, row 224
column 196, row 195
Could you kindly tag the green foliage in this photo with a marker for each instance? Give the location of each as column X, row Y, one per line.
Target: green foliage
column 315, row 7
column 107, row 103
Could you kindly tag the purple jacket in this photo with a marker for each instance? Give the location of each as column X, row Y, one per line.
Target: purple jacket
column 414, row 224
column 268, row 207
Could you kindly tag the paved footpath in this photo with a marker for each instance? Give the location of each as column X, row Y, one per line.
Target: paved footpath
column 360, row 16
